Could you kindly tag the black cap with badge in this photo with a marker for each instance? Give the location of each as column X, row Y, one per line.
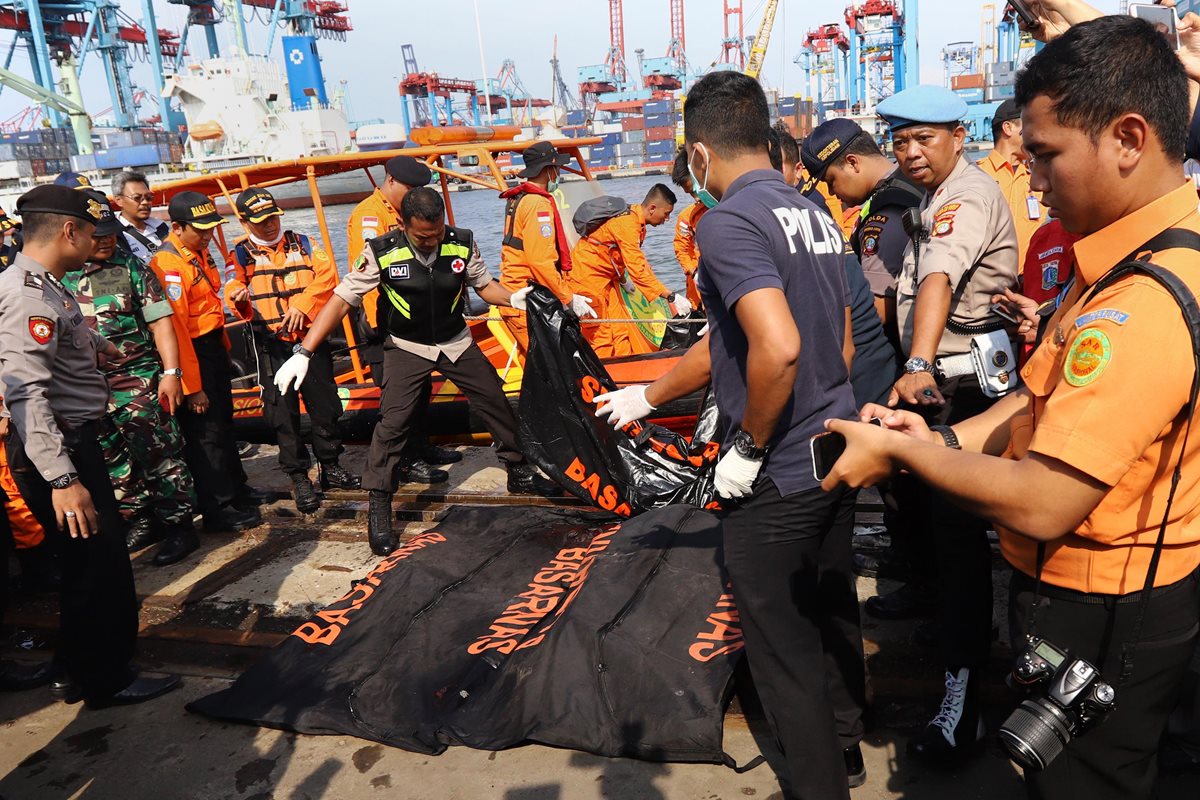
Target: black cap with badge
column 108, row 225
column 409, row 171
column 540, row 156
column 1008, row 110
column 826, row 144
column 195, row 209
column 52, row 199
column 257, row 204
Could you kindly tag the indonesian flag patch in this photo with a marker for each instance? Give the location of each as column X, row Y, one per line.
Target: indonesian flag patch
column 41, row 329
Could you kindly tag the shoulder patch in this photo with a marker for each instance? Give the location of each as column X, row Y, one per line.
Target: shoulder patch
column 1089, row 357
column 41, row 329
column 943, row 227
column 1105, row 314
column 949, row 208
column 1053, row 251
column 34, row 281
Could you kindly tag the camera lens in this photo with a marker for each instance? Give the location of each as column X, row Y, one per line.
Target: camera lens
column 1035, row 733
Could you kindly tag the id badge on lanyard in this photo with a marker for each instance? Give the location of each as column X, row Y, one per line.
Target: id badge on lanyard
column 1033, row 207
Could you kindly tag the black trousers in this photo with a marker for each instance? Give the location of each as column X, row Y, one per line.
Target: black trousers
column 950, row 545
column 209, row 444
column 98, row 609
column 319, row 391
column 405, row 382
column 789, row 560
column 418, row 438
column 1116, row 760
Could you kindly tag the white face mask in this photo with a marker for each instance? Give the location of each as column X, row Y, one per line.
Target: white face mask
column 265, row 242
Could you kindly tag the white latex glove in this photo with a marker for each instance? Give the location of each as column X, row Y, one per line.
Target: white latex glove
column 582, row 307
column 703, row 331
column 735, row 474
column 293, row 371
column 682, row 305
column 629, row 286
column 624, row 406
column 520, row 297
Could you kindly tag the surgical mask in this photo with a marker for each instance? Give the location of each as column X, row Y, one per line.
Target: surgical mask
column 267, row 242
column 552, row 186
column 702, row 193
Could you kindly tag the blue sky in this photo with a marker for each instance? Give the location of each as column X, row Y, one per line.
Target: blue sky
column 443, row 34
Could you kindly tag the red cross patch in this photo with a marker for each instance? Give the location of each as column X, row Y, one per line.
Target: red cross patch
column 41, row 329
column 458, row 265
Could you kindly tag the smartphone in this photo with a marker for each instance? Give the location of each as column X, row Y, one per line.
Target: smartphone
column 1161, row 17
column 1002, row 312
column 827, row 448
column 1022, row 9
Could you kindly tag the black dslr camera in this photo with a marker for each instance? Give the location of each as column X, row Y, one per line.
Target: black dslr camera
column 1070, row 699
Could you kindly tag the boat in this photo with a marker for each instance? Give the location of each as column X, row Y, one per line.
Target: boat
column 470, row 156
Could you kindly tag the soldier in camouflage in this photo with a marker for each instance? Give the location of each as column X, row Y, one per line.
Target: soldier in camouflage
column 125, row 302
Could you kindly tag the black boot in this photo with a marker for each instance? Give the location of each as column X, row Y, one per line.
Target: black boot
column 379, row 524
column 304, row 494
column 524, row 479
column 16, row 677
column 248, row 497
column 432, row 454
column 232, row 518
column 141, row 534
column 955, row 733
column 420, row 472
column 335, row 476
column 856, row 768
column 180, row 543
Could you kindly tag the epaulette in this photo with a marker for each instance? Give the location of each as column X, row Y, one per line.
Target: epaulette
column 34, row 281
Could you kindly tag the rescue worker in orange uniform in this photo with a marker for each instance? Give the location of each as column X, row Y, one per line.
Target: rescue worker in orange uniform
column 278, row 281
column 686, row 249
column 1007, row 164
column 611, row 257
column 535, row 248
column 375, row 216
column 193, row 286
column 39, row 564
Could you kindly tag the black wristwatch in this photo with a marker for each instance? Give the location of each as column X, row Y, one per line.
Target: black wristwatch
column 671, row 297
column 63, row 481
column 948, row 436
column 301, row 350
column 743, row 443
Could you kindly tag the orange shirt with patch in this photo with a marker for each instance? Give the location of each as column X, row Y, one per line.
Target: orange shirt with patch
column 1014, row 184
column 192, row 284
column 533, row 224
column 373, row 217
column 1109, row 384
column 686, row 249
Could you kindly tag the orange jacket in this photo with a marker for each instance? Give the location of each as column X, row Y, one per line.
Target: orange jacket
column 292, row 274
column 192, row 283
column 533, row 224
column 27, row 532
column 686, row 249
column 612, row 255
column 373, row 217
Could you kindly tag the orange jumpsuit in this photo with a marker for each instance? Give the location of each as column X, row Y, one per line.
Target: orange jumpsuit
column 373, row 217
column 537, row 260
column 686, row 249
column 192, row 283
column 27, row 532
column 601, row 263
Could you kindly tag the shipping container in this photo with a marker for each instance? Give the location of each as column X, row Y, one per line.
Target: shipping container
column 970, row 95
column 995, row 94
column 577, row 117
column 12, row 170
column 145, row 155
column 661, row 120
column 661, row 134
column 629, row 151
column 37, row 167
column 83, row 163
column 633, row 137
column 658, row 107
column 633, row 124
column 973, row 81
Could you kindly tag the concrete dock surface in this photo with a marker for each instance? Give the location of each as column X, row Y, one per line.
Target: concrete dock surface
column 213, row 615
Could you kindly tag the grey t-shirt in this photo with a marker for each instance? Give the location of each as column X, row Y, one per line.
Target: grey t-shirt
column 766, row 235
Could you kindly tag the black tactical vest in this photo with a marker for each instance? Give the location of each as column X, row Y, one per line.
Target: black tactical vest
column 423, row 304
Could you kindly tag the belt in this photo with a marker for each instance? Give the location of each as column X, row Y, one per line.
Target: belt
column 955, row 366
column 1088, row 599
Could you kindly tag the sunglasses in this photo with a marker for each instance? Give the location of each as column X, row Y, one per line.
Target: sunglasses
column 139, row 198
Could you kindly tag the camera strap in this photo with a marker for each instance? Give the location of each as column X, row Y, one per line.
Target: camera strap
column 1174, row 238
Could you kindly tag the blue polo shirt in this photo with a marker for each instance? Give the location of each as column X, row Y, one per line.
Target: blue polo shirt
column 764, row 234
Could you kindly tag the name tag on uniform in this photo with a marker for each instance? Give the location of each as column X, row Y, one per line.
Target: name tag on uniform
column 398, row 272
column 1034, row 207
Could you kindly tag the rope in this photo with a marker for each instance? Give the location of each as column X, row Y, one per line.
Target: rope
column 589, row 321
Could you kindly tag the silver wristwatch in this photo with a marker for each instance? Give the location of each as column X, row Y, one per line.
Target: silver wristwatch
column 171, row 373
column 917, row 364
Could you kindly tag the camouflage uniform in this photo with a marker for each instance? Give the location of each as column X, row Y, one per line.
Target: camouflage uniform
column 120, row 297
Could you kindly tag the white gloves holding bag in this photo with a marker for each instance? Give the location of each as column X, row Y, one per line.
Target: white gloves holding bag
column 292, row 373
column 624, row 406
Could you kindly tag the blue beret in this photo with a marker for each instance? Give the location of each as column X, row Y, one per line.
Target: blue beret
column 922, row 105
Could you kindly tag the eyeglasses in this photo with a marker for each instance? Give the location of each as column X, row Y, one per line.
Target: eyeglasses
column 139, row 198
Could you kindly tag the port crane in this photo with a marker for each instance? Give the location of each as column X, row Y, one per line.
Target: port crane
column 758, row 51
